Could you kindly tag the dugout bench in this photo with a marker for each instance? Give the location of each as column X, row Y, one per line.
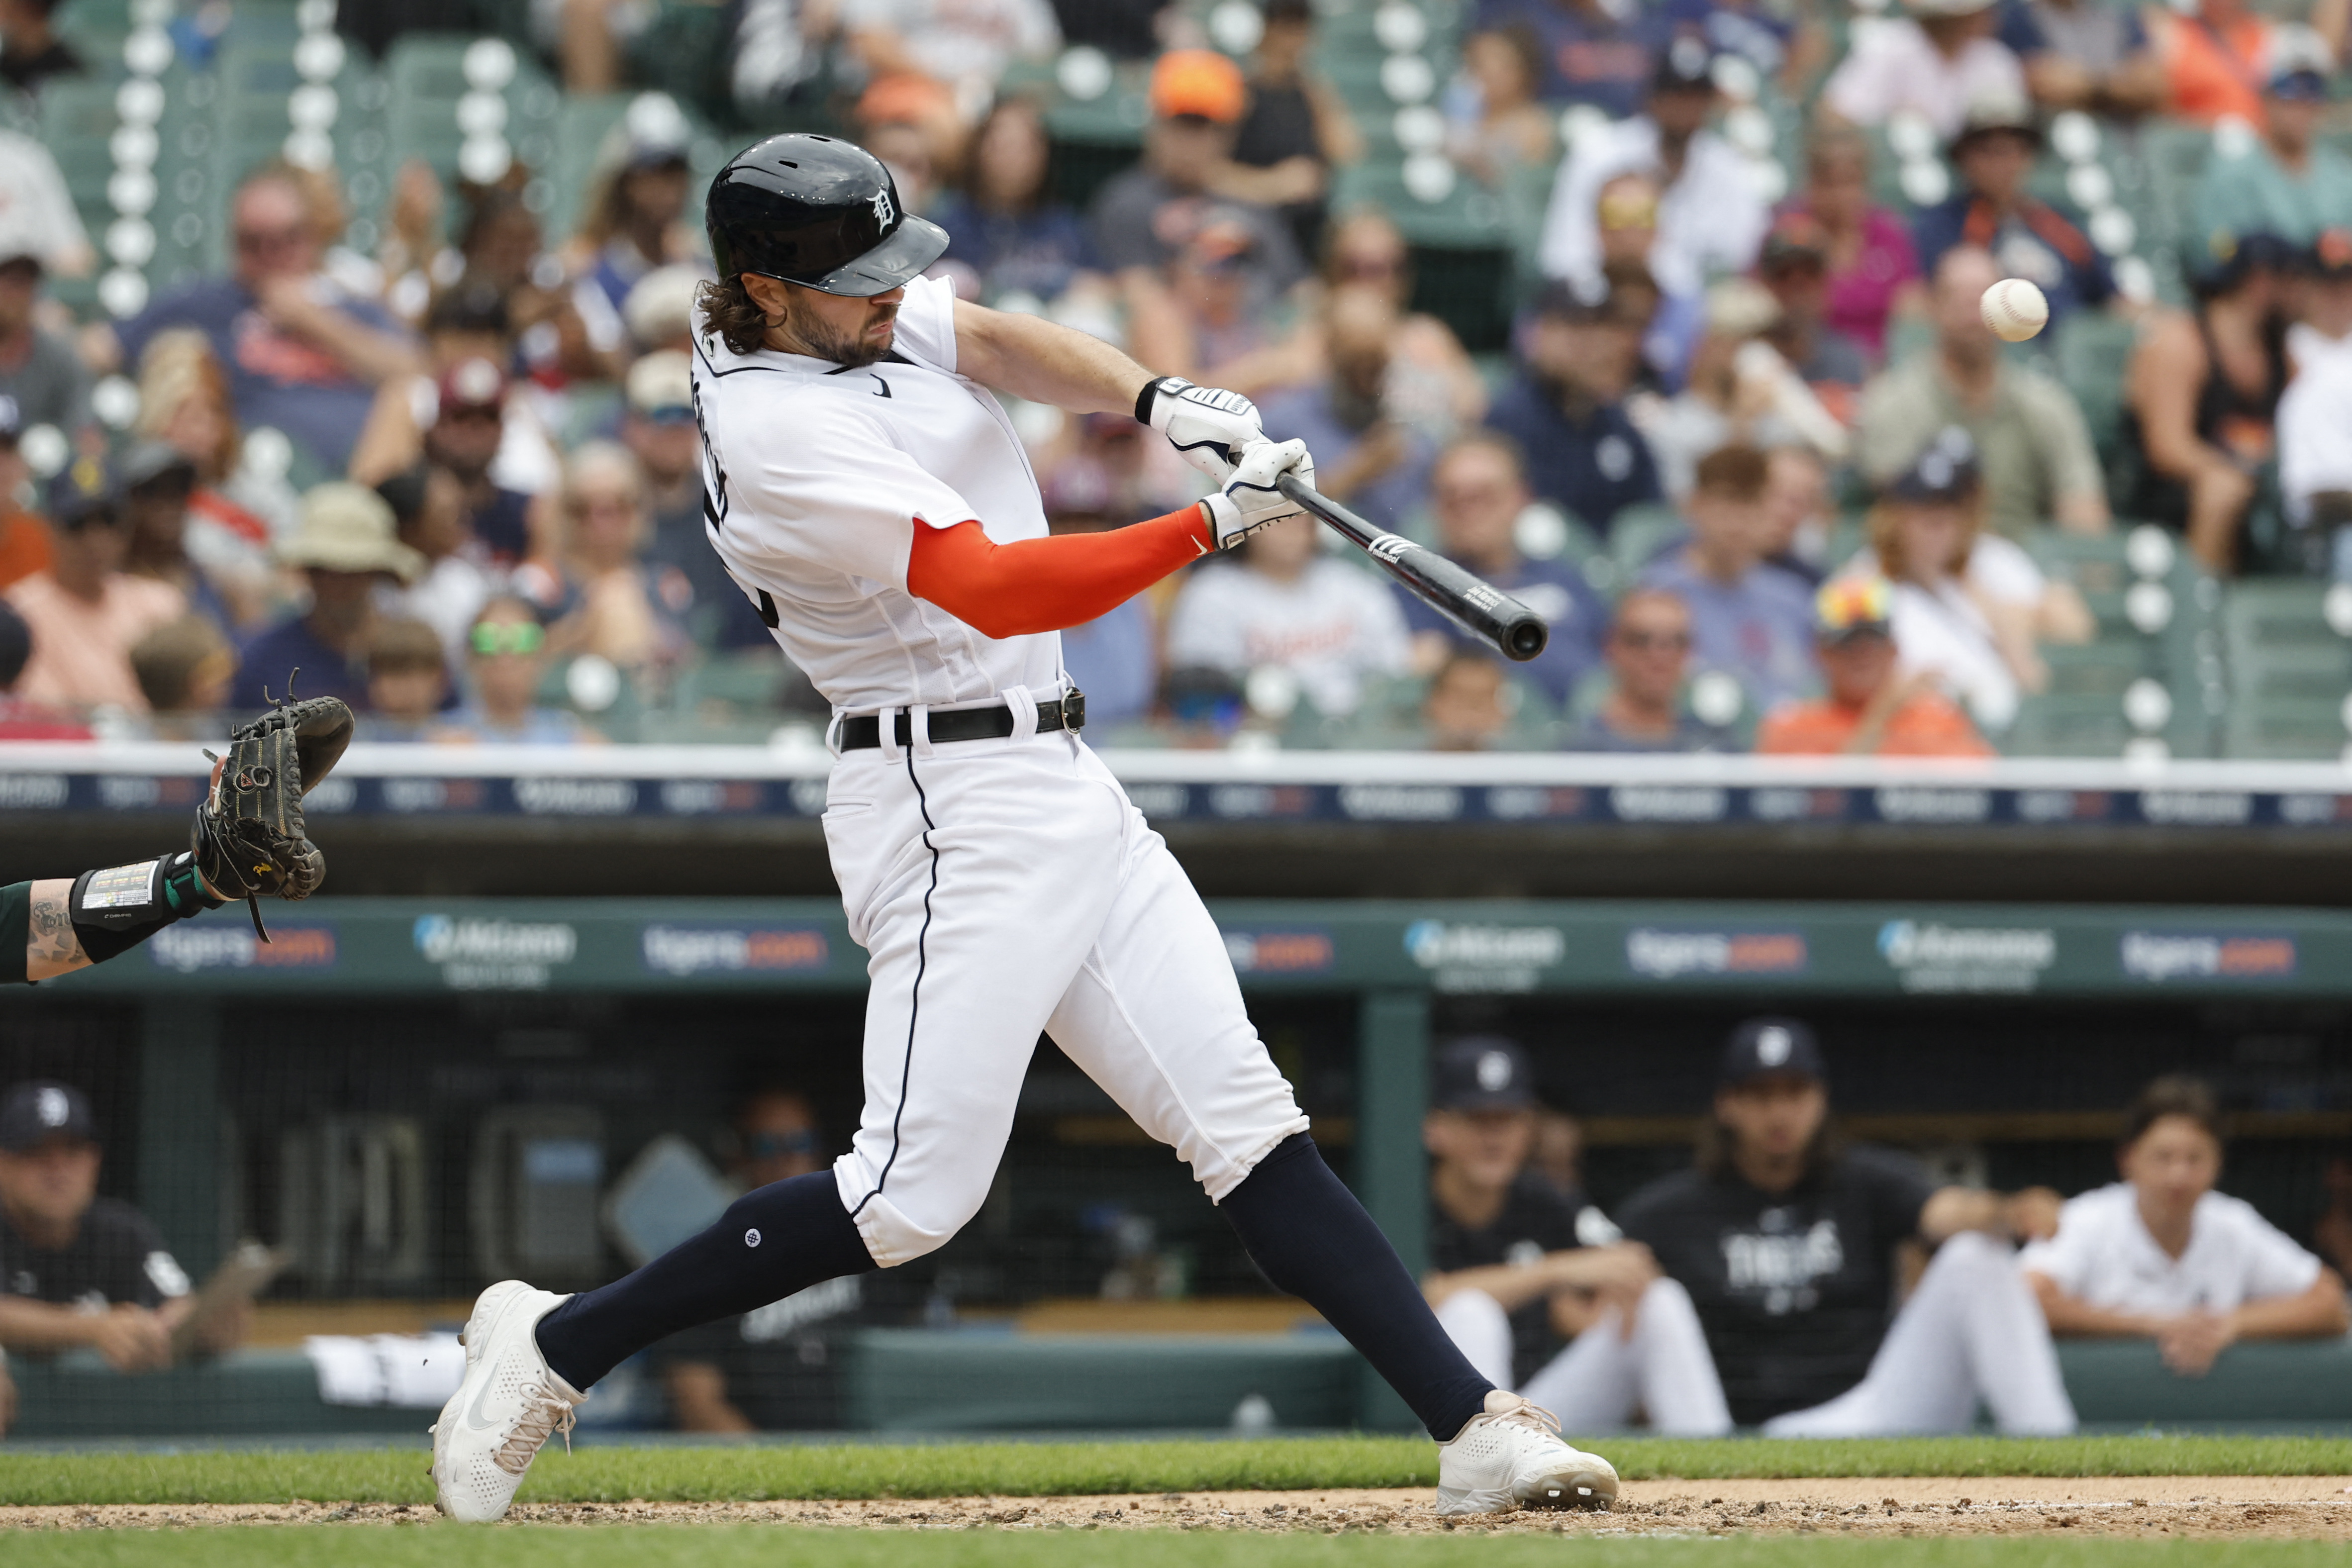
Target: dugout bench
column 1626, row 1001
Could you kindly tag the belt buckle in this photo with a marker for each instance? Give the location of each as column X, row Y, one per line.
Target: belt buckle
column 1073, row 708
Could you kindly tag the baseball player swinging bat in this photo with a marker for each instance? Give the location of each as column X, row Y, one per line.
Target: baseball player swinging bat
column 865, row 489
column 1518, row 632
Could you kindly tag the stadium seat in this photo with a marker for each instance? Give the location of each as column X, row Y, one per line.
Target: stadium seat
column 2289, row 671
column 2068, row 724
column 1638, row 532
column 2089, row 352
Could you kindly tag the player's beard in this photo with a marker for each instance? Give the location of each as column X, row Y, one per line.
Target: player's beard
column 821, row 340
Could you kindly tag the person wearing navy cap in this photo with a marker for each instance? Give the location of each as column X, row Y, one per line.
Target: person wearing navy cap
column 78, row 1270
column 1788, row 1243
column 1537, row 1286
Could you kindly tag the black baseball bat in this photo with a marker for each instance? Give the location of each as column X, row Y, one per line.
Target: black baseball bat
column 1517, row 631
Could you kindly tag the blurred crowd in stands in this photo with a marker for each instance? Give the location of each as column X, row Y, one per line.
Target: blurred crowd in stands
column 1743, row 439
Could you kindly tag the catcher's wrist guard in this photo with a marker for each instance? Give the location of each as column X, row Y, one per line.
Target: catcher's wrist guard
column 249, row 838
column 117, row 909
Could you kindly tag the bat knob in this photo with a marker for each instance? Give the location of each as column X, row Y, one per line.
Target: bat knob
column 1524, row 639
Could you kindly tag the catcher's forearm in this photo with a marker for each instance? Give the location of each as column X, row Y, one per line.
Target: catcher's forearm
column 61, row 925
column 51, row 947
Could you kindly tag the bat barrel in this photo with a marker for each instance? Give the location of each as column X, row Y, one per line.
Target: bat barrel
column 1514, row 630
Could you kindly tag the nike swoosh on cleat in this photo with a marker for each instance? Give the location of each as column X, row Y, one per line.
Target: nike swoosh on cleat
column 473, row 1419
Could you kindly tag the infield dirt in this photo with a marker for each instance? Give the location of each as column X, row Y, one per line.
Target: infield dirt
column 2298, row 1508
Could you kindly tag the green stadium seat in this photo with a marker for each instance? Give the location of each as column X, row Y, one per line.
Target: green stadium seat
column 2285, row 730
column 2090, row 352
column 2103, row 669
column 1637, row 532
column 2095, row 564
column 2068, row 724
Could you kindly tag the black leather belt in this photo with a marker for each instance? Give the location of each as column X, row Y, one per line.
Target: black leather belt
column 965, row 724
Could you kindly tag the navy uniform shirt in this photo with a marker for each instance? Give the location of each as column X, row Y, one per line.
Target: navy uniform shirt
column 1594, row 467
column 1795, row 1290
column 1535, row 1219
column 117, row 1256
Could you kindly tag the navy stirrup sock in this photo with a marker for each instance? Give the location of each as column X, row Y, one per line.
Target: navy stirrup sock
column 783, row 1237
column 1309, row 1235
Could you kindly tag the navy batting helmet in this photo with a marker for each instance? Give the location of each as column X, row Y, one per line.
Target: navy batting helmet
column 819, row 212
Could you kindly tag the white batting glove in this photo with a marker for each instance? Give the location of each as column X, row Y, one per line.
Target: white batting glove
column 1249, row 500
column 1206, row 425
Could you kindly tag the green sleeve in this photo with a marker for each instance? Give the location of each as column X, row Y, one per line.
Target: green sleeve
column 16, row 929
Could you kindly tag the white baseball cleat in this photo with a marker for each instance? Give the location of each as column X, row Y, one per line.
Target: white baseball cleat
column 508, row 1406
column 1512, row 1457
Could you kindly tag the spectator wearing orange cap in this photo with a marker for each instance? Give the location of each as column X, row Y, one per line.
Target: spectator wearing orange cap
column 1144, row 217
column 1870, row 710
column 913, row 124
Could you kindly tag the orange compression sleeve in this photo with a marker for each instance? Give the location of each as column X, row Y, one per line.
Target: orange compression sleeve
column 1046, row 584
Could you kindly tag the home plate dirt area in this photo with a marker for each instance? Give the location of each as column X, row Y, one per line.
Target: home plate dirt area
column 2300, row 1508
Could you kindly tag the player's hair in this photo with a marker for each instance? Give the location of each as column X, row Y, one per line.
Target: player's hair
column 1713, row 1155
column 2174, row 1094
column 1734, row 470
column 732, row 315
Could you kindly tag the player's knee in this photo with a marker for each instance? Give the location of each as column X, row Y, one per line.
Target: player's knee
column 1974, row 1254
column 1667, row 1297
column 1470, row 1311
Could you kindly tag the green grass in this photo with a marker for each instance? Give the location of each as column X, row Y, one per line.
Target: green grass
column 1035, row 1470
column 674, row 1546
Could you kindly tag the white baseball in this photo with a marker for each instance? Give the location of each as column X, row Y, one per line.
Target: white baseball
column 2014, row 310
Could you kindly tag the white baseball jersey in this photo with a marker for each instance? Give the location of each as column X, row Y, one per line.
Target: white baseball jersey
column 2103, row 1255
column 817, row 477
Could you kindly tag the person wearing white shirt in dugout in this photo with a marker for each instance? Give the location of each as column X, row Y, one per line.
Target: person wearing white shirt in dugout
column 2160, row 1255
column 867, row 492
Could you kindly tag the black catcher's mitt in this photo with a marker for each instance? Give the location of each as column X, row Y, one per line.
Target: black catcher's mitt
column 249, row 837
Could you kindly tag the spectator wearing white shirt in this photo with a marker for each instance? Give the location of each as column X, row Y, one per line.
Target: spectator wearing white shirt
column 2160, row 1255
column 38, row 210
column 1712, row 217
column 1933, row 63
column 1287, row 606
column 965, row 42
column 2315, row 441
column 1969, row 605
